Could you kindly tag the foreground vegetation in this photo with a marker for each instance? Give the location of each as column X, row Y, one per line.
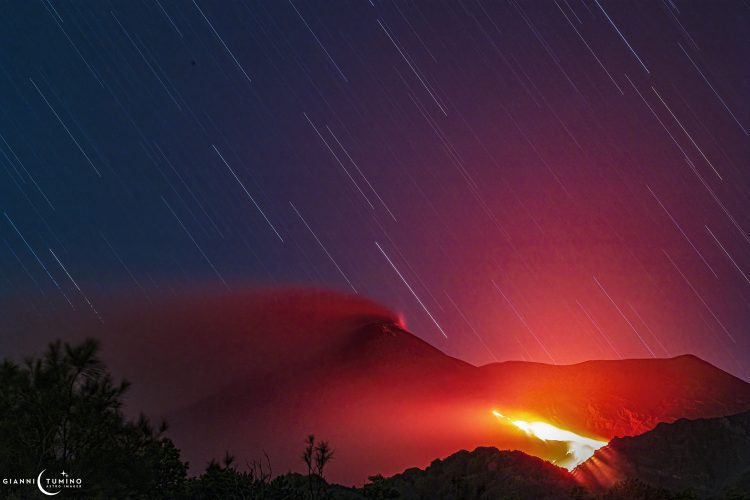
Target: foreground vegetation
column 63, row 411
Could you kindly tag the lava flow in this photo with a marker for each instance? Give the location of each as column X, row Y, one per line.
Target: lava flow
column 579, row 448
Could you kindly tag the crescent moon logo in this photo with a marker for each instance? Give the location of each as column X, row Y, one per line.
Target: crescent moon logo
column 41, row 488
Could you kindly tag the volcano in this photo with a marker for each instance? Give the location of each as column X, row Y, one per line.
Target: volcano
column 388, row 400
column 255, row 373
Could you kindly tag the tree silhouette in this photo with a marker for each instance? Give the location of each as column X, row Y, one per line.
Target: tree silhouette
column 316, row 456
column 323, row 455
column 63, row 411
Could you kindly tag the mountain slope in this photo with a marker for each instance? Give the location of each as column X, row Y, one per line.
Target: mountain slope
column 623, row 397
column 709, row 456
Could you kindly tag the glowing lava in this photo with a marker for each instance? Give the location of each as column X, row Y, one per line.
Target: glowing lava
column 579, row 448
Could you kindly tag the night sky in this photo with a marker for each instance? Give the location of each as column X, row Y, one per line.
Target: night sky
column 550, row 181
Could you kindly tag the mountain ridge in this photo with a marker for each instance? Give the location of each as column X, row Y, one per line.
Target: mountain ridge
column 249, row 372
column 711, row 456
column 378, row 383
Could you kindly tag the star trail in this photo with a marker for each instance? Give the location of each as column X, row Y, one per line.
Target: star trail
column 549, row 181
